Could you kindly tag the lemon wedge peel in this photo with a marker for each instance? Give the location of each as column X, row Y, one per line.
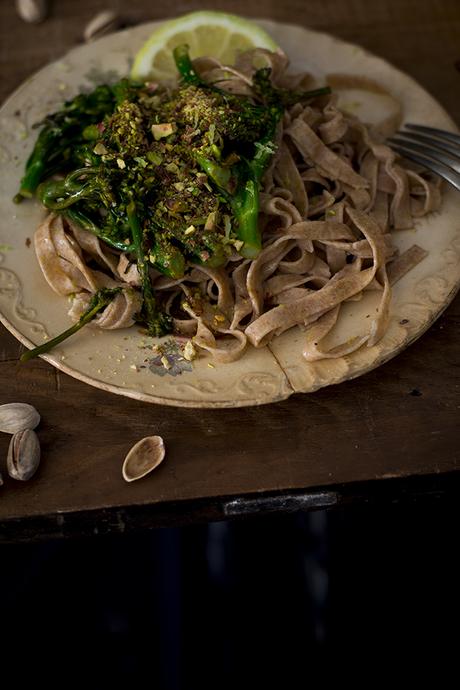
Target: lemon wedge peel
column 215, row 34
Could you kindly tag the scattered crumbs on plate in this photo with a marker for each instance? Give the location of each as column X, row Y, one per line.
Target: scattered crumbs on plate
column 165, row 362
column 211, row 366
column 63, row 66
column 133, row 367
column 28, row 242
column 404, row 321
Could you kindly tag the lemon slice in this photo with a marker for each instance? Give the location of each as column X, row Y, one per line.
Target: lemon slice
column 215, row 34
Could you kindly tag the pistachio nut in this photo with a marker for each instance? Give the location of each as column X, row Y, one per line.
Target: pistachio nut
column 143, row 457
column 103, row 23
column 16, row 417
column 23, row 456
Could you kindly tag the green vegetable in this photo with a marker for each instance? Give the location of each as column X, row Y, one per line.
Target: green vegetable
column 185, row 67
column 240, row 183
column 98, row 302
column 158, row 324
column 86, row 223
column 61, row 132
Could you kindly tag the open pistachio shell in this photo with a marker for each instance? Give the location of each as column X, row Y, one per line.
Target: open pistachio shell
column 143, row 457
column 102, row 23
column 16, row 417
column 23, row 455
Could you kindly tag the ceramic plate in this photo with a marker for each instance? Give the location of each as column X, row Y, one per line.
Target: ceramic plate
column 123, row 361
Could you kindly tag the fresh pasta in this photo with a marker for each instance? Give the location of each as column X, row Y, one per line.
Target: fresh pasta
column 330, row 200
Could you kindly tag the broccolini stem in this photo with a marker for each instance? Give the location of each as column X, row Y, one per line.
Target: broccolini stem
column 168, row 259
column 185, row 67
column 157, row 323
column 314, row 93
column 98, row 302
column 217, row 173
column 245, row 201
column 87, row 224
column 246, row 209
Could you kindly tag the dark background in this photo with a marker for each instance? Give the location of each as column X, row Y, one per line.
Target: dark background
column 260, row 601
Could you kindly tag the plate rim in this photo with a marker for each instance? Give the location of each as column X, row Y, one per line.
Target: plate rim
column 287, row 390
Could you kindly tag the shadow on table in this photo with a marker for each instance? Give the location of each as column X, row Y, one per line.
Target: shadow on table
column 226, row 604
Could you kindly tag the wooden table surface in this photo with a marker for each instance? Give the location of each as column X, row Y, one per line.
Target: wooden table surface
column 392, row 431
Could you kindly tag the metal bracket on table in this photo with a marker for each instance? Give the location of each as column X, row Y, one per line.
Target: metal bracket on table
column 285, row 504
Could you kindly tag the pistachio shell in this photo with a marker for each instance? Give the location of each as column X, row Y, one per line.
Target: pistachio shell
column 101, row 24
column 16, row 417
column 23, row 455
column 32, row 11
column 143, row 457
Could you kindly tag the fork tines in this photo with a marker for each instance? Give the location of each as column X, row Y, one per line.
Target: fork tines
column 435, row 149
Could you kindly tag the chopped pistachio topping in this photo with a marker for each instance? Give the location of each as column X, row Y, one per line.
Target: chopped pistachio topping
column 162, row 130
column 189, row 351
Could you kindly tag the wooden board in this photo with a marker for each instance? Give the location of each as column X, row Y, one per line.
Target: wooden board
column 400, row 421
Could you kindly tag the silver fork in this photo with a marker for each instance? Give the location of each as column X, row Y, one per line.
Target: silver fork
column 435, row 149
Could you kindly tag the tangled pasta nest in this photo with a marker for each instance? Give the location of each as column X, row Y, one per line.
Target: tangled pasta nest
column 329, row 203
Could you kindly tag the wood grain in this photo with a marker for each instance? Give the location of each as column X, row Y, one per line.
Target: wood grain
column 398, row 421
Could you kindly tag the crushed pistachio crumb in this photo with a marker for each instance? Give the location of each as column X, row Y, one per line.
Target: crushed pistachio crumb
column 100, row 149
column 189, row 351
column 191, row 229
column 121, row 163
column 162, row 130
column 165, row 362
